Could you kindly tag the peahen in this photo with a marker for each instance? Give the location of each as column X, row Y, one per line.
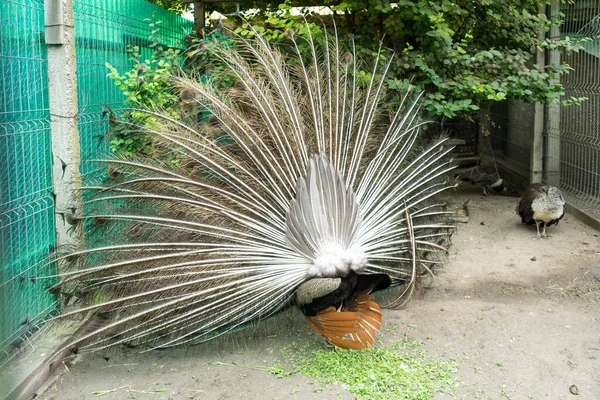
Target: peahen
column 294, row 185
column 487, row 180
column 541, row 204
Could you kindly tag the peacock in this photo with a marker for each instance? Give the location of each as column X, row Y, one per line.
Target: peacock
column 541, row 204
column 294, row 186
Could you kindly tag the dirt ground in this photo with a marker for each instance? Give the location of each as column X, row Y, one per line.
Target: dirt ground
column 520, row 315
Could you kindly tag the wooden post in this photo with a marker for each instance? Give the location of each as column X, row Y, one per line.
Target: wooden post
column 199, row 18
column 199, row 15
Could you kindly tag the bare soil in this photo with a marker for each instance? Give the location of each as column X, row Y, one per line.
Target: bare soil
column 520, row 315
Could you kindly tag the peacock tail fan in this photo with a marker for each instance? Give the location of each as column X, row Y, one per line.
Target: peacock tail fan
column 295, row 171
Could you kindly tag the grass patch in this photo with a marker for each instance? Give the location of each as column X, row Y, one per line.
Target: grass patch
column 398, row 371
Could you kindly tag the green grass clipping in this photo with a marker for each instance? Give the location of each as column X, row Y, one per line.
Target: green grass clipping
column 397, row 371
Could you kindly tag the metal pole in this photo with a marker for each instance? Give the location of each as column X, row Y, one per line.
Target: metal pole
column 536, row 159
column 62, row 88
column 553, row 143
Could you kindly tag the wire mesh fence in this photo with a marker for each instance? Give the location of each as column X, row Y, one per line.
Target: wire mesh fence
column 26, row 201
column 574, row 137
column 571, row 132
column 103, row 30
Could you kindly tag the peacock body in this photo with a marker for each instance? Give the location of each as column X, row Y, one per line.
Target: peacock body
column 318, row 196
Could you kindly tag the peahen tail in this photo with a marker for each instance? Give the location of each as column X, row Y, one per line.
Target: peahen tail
column 298, row 173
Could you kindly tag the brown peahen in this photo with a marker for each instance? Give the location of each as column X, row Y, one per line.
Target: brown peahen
column 487, row 180
column 541, row 204
column 300, row 187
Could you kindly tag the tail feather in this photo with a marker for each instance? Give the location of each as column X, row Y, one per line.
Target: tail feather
column 208, row 237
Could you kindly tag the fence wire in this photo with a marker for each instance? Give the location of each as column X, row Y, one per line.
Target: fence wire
column 103, row 29
column 574, row 138
column 27, row 233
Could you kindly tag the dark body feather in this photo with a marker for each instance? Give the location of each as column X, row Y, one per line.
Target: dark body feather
column 350, row 287
column 478, row 177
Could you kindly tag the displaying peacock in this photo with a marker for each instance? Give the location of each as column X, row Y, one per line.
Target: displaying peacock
column 292, row 186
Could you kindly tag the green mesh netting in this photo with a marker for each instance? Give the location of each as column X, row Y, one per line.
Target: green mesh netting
column 26, row 201
column 103, row 29
column 103, row 32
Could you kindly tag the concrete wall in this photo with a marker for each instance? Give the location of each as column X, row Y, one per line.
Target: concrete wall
column 512, row 126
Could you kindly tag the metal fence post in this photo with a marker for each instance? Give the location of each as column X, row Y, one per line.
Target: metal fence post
column 552, row 150
column 536, row 159
column 62, row 88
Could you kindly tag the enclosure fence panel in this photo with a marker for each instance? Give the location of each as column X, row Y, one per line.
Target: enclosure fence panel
column 103, row 29
column 27, row 233
column 576, row 138
column 571, row 132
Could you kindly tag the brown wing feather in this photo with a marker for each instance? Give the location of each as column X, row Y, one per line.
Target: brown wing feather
column 369, row 312
column 335, row 326
column 354, row 327
column 524, row 207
